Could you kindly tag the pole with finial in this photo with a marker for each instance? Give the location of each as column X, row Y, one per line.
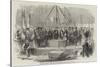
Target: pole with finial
column 23, row 19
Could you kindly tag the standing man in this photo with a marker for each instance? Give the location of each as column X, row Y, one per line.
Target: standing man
column 28, row 41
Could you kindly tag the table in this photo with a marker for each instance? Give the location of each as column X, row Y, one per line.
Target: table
column 57, row 43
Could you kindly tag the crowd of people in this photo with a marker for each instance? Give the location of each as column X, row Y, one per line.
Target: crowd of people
column 71, row 35
column 40, row 36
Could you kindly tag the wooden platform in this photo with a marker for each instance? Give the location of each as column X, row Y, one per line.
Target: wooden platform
column 46, row 50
